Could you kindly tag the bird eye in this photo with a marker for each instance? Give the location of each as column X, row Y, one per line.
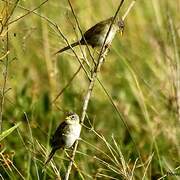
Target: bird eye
column 73, row 117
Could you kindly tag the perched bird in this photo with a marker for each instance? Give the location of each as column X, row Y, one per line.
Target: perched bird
column 65, row 135
column 96, row 35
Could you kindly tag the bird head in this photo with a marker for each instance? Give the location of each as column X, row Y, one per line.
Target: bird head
column 72, row 117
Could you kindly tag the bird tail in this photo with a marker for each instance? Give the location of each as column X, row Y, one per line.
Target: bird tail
column 67, row 47
column 50, row 156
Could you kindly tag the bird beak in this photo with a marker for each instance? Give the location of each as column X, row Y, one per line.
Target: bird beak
column 121, row 31
column 68, row 118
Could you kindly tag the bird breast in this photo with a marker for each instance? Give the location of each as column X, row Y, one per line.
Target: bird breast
column 110, row 35
column 71, row 135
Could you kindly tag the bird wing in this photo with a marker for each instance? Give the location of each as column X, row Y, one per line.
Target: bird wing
column 96, row 29
column 56, row 141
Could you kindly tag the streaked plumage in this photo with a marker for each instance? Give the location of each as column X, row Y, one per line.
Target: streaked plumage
column 95, row 36
column 65, row 135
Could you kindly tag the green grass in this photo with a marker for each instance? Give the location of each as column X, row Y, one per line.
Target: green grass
column 140, row 75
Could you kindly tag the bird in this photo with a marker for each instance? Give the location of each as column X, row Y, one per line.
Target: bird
column 95, row 36
column 65, row 135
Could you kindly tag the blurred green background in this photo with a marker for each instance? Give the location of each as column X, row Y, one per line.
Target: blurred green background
column 141, row 74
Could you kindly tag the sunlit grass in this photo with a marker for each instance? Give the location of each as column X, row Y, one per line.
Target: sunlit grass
column 140, row 75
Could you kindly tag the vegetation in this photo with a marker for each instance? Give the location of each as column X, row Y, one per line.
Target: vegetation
column 131, row 128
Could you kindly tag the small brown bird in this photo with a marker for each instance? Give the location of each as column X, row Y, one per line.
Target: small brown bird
column 96, row 35
column 65, row 135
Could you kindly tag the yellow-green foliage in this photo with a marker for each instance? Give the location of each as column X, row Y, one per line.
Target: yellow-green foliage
column 141, row 75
